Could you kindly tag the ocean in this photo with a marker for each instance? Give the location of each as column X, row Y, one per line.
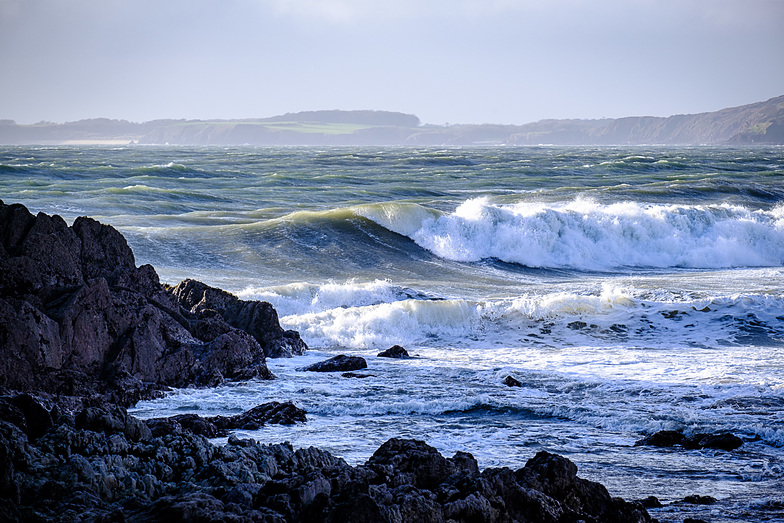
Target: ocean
column 628, row 289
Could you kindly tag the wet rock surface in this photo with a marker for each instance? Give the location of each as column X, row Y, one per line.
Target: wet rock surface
column 671, row 438
column 340, row 363
column 395, row 351
column 103, row 464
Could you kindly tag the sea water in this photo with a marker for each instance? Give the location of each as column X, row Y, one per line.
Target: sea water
column 629, row 290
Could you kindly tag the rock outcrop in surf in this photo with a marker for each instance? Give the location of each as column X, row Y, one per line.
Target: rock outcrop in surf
column 85, row 332
column 78, row 318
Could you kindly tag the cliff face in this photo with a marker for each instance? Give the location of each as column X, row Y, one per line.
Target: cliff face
column 79, row 318
column 759, row 123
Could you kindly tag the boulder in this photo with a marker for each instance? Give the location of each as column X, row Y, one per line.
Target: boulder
column 396, row 351
column 340, row 363
column 671, row 438
column 509, row 381
column 663, row 438
column 720, row 441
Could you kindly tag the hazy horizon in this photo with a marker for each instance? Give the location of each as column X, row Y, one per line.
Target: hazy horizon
column 465, row 61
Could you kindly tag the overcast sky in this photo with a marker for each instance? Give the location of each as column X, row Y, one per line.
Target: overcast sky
column 456, row 61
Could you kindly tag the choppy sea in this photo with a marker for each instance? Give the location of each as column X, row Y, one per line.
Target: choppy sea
column 629, row 290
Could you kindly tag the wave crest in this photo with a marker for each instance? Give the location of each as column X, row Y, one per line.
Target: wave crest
column 586, row 235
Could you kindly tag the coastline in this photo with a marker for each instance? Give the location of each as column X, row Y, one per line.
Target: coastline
column 88, row 333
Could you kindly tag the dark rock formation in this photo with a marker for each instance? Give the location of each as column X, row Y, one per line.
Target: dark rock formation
column 699, row 500
column 509, row 381
column 358, row 376
column 722, row 441
column 663, row 438
column 672, row 438
column 651, row 502
column 339, row 363
column 395, row 351
column 257, row 318
column 212, row 427
column 79, row 319
column 104, row 465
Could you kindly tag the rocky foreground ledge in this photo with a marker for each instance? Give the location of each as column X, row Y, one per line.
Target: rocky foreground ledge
column 85, row 333
column 104, row 465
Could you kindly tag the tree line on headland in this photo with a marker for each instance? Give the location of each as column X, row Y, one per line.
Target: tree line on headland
column 757, row 123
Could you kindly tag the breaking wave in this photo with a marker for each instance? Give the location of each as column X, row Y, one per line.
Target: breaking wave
column 586, row 235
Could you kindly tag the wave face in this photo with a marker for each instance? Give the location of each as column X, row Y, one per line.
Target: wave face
column 587, row 235
column 627, row 289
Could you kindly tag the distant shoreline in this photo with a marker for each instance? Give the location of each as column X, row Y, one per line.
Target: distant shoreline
column 758, row 123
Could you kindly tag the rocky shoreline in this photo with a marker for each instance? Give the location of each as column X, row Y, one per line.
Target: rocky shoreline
column 85, row 333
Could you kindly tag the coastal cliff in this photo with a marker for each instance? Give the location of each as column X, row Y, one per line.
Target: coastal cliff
column 84, row 333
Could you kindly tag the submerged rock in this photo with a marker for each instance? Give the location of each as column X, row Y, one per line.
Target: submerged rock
column 339, row 363
column 509, row 381
column 672, row 438
column 358, row 376
column 720, row 441
column 395, row 351
column 699, row 500
column 663, row 438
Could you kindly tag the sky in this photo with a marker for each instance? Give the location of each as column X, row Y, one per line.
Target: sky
column 446, row 61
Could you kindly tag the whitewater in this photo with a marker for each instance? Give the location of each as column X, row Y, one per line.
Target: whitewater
column 628, row 289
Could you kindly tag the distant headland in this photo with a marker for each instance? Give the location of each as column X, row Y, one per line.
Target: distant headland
column 757, row 123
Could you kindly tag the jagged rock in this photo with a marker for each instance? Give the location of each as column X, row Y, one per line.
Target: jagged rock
column 404, row 461
column 273, row 412
column 339, row 363
column 102, row 465
column 258, row 318
column 77, row 317
column 395, row 351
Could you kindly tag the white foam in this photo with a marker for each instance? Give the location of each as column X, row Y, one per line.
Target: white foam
column 399, row 322
column 303, row 298
column 584, row 234
column 378, row 313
